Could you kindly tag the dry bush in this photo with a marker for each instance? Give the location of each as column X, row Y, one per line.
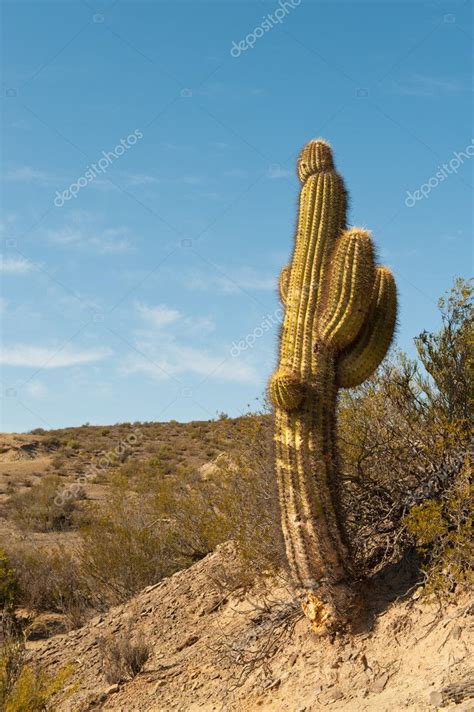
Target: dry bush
column 51, row 579
column 122, row 550
column 123, row 655
column 35, row 690
column 151, row 527
column 404, row 437
column 8, row 582
column 247, row 497
column 155, row 524
column 36, row 509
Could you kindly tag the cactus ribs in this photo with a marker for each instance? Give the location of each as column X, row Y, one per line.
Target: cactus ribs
column 340, row 314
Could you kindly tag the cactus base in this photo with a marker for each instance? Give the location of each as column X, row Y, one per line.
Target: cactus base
column 330, row 609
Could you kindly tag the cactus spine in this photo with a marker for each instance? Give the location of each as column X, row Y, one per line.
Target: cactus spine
column 340, row 313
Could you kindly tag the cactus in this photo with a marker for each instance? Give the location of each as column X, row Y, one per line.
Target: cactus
column 340, row 314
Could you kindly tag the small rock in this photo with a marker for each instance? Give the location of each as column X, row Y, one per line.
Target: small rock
column 436, row 699
column 113, row 688
column 156, row 687
column 456, row 632
column 292, row 659
column 330, row 696
column 189, row 641
column 380, row 683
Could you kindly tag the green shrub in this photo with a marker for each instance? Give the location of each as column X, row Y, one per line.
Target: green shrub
column 35, row 690
column 443, row 532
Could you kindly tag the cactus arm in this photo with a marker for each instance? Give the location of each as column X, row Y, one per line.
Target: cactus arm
column 349, row 289
column 361, row 358
column 283, row 284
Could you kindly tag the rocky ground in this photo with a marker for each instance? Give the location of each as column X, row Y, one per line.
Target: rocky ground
column 213, row 651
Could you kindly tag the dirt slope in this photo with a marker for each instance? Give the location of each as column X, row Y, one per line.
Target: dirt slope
column 411, row 658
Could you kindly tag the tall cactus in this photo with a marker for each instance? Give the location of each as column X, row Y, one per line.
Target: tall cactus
column 340, row 313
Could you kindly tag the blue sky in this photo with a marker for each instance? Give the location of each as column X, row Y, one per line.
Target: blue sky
column 126, row 302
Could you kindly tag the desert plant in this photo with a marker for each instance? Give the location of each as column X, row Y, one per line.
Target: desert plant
column 25, row 687
column 51, row 579
column 123, row 655
column 8, row 582
column 35, row 690
column 12, row 654
column 403, row 436
column 37, row 509
column 340, row 313
column 442, row 529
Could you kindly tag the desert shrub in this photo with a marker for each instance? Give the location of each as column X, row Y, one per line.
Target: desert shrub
column 443, row 531
column 51, row 442
column 58, row 462
column 148, row 529
column 51, row 579
column 246, row 495
column 25, row 687
column 154, row 524
column 123, row 655
column 34, row 690
column 12, row 655
column 8, row 582
column 403, row 436
column 121, row 551
column 37, row 510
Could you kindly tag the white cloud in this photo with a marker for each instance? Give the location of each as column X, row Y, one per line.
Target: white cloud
column 425, row 86
column 159, row 316
column 141, row 179
column 27, row 174
column 162, row 316
column 49, row 357
column 36, row 389
column 173, row 360
column 165, row 354
column 231, row 281
column 108, row 241
column 275, row 171
column 15, row 265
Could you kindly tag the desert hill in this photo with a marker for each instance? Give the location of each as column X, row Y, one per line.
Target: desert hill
column 204, row 634
column 211, row 651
